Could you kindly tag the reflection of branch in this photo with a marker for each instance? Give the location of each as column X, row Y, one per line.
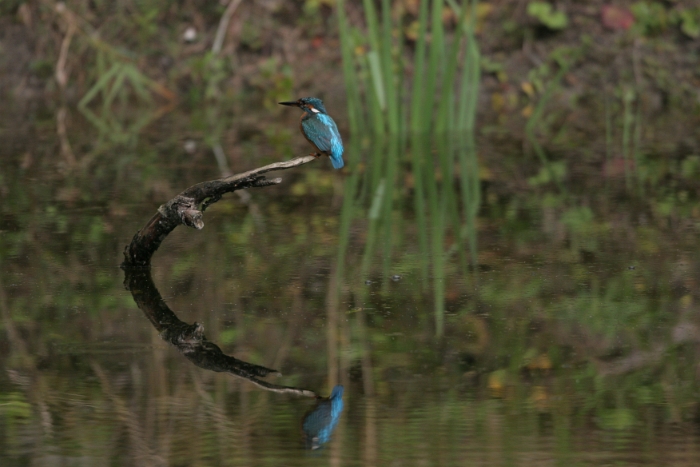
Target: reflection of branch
column 13, row 334
column 188, row 207
column 190, row 339
column 682, row 333
column 634, row 361
column 66, row 150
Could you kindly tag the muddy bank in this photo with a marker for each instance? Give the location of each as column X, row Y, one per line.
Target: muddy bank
column 628, row 66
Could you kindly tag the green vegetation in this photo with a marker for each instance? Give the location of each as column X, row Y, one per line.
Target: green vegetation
column 556, row 334
column 545, row 13
column 430, row 118
column 570, row 325
column 429, row 87
column 653, row 18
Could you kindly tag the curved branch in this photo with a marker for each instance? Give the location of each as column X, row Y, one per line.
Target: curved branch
column 190, row 340
column 188, row 207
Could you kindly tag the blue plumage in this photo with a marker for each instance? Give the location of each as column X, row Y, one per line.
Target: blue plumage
column 322, row 420
column 319, row 129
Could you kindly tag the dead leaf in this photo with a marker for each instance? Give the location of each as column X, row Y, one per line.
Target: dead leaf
column 497, row 101
column 616, row 17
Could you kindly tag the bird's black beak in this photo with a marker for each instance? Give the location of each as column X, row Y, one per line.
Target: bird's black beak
column 293, row 103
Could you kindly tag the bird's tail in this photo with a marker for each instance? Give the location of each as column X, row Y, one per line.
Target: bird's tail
column 337, row 161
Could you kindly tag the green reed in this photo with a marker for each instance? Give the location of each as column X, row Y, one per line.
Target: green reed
column 534, row 121
column 627, row 99
column 624, row 115
column 416, row 108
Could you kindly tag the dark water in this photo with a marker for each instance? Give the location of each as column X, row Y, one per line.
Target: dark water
column 572, row 338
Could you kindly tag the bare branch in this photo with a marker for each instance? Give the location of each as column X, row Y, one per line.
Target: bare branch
column 188, row 208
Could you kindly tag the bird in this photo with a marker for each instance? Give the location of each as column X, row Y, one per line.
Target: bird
column 320, row 422
column 320, row 129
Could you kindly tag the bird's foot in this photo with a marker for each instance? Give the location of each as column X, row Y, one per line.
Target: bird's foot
column 315, row 154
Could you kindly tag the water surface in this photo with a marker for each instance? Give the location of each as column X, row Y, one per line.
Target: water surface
column 570, row 338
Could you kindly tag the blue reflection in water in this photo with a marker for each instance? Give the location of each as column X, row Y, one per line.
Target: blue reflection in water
column 322, row 420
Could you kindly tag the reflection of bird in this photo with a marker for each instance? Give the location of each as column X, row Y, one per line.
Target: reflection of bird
column 319, row 128
column 322, row 420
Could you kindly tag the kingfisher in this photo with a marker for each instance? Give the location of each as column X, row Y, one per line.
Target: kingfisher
column 319, row 129
column 320, row 422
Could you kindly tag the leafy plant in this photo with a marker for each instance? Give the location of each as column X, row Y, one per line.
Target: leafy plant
column 545, row 14
column 652, row 17
column 689, row 21
column 114, row 81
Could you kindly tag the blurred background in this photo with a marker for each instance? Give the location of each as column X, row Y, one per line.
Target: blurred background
column 505, row 272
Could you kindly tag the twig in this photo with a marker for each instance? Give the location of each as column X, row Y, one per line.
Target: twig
column 223, row 26
column 61, row 72
column 221, row 159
